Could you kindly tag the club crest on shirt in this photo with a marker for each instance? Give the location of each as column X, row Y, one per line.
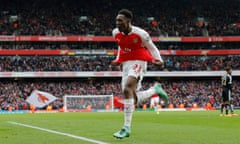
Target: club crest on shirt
column 135, row 40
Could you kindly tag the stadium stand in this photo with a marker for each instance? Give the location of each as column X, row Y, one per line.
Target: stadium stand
column 167, row 18
column 173, row 24
column 103, row 63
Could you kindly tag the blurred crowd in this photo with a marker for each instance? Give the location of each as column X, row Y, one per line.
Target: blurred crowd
column 103, row 63
column 158, row 17
column 101, row 46
column 89, row 18
column 187, row 92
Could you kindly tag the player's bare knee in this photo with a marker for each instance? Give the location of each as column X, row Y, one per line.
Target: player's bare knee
column 128, row 92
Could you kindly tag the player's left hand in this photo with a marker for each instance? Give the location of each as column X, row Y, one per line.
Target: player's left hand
column 157, row 62
column 115, row 63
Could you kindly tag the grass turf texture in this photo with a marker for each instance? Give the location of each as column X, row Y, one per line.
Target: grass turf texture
column 189, row 127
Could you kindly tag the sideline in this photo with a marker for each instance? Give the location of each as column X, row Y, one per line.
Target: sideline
column 57, row 132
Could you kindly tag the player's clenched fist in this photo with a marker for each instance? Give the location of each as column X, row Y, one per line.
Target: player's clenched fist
column 157, row 62
column 115, row 62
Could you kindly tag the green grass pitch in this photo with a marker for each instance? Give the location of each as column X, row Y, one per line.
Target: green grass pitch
column 189, row 127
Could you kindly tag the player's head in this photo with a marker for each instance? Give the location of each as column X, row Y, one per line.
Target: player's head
column 123, row 20
column 228, row 70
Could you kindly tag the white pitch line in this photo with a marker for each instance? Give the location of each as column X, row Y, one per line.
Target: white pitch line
column 59, row 133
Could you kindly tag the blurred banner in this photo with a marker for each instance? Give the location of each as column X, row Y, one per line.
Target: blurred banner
column 111, row 39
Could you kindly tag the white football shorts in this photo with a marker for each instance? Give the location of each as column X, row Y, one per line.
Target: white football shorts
column 135, row 68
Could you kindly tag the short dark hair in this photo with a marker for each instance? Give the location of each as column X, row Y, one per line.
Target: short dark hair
column 127, row 13
column 228, row 68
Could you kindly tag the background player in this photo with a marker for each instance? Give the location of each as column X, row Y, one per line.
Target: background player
column 226, row 90
column 154, row 102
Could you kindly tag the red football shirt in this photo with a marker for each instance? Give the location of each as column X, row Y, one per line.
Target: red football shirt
column 137, row 45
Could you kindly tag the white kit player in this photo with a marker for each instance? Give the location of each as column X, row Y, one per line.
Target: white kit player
column 154, row 102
